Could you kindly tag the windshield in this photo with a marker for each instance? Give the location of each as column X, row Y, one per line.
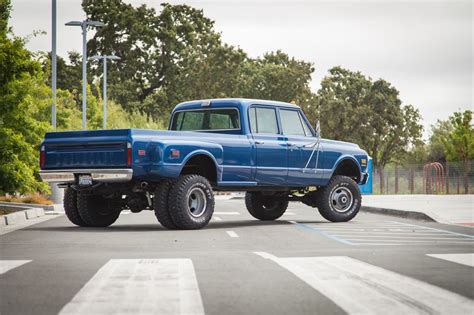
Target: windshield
column 206, row 119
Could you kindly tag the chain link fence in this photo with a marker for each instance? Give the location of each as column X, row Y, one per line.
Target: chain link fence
column 430, row 178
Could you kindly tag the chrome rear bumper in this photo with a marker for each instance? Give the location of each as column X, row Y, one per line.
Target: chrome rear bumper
column 98, row 175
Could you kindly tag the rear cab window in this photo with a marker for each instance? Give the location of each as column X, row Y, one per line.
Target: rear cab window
column 209, row 119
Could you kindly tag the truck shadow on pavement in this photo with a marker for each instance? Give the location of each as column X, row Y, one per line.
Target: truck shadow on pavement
column 155, row 227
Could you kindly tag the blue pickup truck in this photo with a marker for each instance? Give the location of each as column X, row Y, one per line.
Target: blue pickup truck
column 266, row 148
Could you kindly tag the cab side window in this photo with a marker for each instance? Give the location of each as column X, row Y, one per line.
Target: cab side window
column 291, row 123
column 263, row 120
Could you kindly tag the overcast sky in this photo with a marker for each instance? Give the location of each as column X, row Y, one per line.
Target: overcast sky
column 424, row 48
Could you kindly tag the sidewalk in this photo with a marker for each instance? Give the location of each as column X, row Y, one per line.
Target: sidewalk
column 448, row 209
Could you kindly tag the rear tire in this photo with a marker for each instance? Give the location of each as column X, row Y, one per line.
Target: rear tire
column 70, row 207
column 265, row 208
column 191, row 202
column 161, row 205
column 340, row 200
column 98, row 211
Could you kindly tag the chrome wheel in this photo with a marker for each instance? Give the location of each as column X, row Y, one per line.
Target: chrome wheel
column 197, row 202
column 341, row 199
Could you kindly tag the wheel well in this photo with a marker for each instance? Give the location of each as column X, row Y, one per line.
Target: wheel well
column 348, row 168
column 201, row 165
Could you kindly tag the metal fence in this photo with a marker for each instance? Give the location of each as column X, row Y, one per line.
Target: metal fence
column 429, row 178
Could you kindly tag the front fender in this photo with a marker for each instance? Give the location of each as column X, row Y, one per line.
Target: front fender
column 347, row 157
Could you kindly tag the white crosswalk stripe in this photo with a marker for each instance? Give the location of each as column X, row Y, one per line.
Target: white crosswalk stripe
column 7, row 265
column 463, row 259
column 386, row 233
column 140, row 286
column 361, row 288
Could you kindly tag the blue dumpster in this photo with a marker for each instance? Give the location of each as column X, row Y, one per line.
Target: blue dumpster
column 366, row 189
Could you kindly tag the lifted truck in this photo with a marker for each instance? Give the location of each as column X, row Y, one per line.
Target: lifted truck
column 265, row 148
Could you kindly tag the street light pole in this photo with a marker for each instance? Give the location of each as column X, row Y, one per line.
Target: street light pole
column 84, row 75
column 104, row 60
column 84, row 25
column 105, row 94
column 53, row 63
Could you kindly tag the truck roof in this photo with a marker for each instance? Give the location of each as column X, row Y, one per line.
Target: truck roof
column 238, row 102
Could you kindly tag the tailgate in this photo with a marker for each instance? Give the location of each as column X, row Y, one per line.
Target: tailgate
column 86, row 149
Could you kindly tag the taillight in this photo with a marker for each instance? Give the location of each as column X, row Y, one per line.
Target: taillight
column 129, row 154
column 42, row 156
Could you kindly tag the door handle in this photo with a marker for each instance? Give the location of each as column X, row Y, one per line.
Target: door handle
column 259, row 142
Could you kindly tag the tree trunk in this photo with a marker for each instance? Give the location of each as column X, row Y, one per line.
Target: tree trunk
column 466, row 177
column 381, row 179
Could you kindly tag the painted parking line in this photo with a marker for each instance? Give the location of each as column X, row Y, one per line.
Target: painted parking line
column 7, row 265
column 463, row 259
column 361, row 288
column 140, row 286
column 385, row 233
column 232, row 234
column 226, row 213
column 217, row 218
column 289, row 213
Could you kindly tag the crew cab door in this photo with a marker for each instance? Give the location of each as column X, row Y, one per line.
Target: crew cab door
column 271, row 156
column 301, row 143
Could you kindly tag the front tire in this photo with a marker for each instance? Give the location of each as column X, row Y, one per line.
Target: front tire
column 340, row 200
column 191, row 202
column 98, row 211
column 265, row 208
column 70, row 207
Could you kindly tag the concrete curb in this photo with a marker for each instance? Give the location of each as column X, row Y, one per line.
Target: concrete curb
column 55, row 207
column 415, row 215
column 20, row 216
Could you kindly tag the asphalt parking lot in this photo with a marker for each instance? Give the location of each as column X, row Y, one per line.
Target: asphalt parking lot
column 299, row 264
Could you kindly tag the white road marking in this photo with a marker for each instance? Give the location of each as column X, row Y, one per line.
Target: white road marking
column 7, row 265
column 463, row 259
column 292, row 222
column 433, row 229
column 227, row 213
column 289, row 213
column 140, row 286
column 232, row 234
column 126, row 212
column 449, row 241
column 217, row 218
column 360, row 288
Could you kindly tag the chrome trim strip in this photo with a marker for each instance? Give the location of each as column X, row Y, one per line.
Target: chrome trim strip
column 99, row 175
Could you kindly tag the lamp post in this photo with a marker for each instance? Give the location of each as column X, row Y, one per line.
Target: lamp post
column 53, row 62
column 104, row 59
column 83, row 25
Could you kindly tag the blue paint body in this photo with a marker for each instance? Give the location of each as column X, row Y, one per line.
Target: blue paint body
column 239, row 159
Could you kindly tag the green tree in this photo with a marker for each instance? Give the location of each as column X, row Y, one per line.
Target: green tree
column 150, row 44
column 5, row 8
column 459, row 143
column 20, row 132
column 436, row 148
column 354, row 108
column 69, row 74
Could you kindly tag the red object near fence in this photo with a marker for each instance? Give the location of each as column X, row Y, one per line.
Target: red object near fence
column 433, row 178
